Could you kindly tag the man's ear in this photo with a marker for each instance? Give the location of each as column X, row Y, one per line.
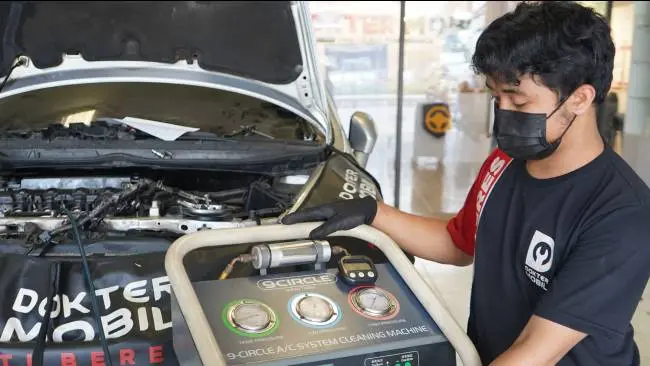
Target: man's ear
column 581, row 99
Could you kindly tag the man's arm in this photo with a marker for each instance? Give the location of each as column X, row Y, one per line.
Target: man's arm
column 541, row 343
column 435, row 239
column 424, row 237
column 420, row 236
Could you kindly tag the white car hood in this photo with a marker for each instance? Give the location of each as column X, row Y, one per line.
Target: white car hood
column 263, row 50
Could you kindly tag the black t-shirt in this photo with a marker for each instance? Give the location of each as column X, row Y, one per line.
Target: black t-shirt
column 573, row 249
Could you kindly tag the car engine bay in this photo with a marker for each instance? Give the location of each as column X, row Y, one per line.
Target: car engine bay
column 35, row 209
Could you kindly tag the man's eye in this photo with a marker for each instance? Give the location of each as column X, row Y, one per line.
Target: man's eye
column 518, row 106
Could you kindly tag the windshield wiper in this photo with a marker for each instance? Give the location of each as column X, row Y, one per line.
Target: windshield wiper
column 248, row 131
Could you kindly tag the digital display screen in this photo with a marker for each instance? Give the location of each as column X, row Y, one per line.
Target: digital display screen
column 361, row 266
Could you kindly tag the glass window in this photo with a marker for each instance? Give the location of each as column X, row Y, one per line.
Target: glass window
column 438, row 170
column 358, row 45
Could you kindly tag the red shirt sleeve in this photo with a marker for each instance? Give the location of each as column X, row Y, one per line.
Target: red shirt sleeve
column 464, row 225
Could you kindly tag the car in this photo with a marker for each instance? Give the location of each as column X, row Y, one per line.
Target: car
column 126, row 125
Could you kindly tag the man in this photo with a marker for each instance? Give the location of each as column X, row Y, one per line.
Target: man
column 557, row 224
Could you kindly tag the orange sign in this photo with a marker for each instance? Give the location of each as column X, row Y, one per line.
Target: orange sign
column 437, row 119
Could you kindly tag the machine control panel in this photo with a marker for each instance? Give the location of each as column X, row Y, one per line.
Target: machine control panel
column 398, row 359
column 316, row 318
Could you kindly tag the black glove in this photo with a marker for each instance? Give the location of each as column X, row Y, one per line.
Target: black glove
column 338, row 215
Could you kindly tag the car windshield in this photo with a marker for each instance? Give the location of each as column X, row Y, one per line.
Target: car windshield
column 218, row 113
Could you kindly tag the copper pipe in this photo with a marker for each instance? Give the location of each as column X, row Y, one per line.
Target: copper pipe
column 243, row 258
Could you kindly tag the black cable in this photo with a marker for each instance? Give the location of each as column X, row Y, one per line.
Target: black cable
column 92, row 215
column 39, row 350
column 91, row 286
column 20, row 62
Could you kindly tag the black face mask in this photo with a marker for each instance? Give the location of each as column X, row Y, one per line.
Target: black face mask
column 523, row 135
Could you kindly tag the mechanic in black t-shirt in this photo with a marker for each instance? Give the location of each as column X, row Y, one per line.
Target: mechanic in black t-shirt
column 556, row 223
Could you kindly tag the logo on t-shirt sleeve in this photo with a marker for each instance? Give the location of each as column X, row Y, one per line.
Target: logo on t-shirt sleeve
column 490, row 177
column 539, row 258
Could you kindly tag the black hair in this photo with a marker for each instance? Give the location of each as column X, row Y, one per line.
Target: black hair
column 562, row 43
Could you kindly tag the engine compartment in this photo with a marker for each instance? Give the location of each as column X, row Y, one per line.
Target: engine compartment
column 35, row 208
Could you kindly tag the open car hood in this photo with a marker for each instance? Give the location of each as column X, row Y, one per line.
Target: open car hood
column 263, row 50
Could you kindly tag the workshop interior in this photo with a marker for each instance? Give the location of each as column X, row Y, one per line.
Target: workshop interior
column 148, row 152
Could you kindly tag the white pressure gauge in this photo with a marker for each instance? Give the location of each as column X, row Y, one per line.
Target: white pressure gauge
column 374, row 302
column 314, row 309
column 251, row 316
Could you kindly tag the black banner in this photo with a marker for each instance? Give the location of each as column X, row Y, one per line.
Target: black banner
column 133, row 294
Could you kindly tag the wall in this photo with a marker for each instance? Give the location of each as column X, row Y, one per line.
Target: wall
column 622, row 30
column 636, row 140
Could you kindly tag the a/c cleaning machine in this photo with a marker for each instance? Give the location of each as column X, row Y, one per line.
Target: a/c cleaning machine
column 355, row 312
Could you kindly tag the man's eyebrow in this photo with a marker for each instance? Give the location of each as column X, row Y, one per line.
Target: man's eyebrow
column 511, row 90
column 507, row 90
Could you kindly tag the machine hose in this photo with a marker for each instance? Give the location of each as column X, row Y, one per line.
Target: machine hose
column 242, row 258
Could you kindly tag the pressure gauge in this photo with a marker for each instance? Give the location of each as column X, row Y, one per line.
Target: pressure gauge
column 251, row 316
column 314, row 309
column 374, row 302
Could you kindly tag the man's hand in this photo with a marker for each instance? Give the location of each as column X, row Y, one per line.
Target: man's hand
column 338, row 215
column 541, row 343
